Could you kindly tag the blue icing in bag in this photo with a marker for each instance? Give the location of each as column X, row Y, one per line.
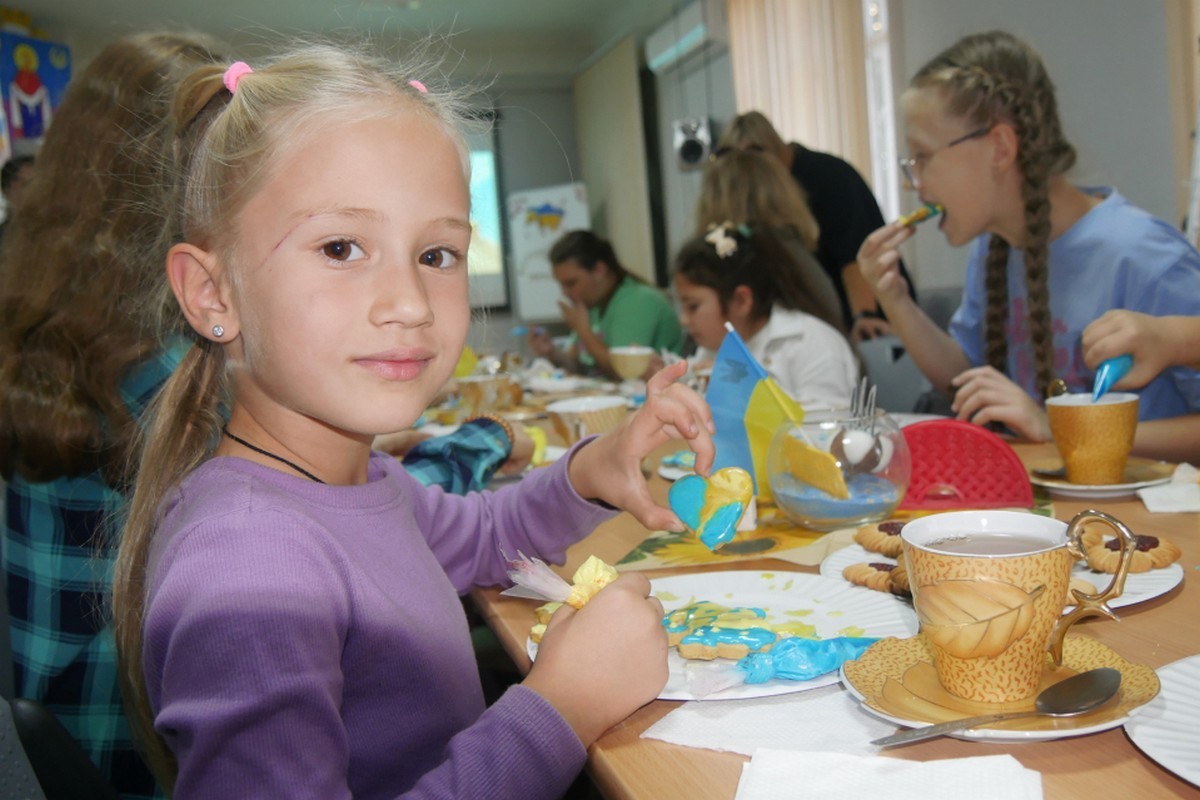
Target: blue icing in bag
column 1110, row 372
column 799, row 659
column 792, row 658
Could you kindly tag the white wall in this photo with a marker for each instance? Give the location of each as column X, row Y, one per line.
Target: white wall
column 612, row 148
column 1109, row 61
column 701, row 87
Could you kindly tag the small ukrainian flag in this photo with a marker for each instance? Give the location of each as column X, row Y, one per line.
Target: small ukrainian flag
column 747, row 407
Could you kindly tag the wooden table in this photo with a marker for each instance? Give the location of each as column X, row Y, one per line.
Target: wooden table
column 1094, row 767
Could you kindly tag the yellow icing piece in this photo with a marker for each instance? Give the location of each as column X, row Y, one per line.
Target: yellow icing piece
column 706, row 613
column 815, row 467
column 853, row 630
column 592, row 576
column 594, row 571
column 545, row 611
column 796, row 629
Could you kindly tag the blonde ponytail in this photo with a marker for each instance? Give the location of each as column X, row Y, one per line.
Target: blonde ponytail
column 184, row 426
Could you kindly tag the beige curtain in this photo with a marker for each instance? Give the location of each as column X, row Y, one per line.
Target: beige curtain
column 802, row 63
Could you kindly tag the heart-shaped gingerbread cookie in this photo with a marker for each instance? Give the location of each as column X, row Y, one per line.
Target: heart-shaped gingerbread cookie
column 712, row 506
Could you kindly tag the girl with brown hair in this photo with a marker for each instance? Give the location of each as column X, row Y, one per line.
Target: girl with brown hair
column 79, row 361
column 986, row 142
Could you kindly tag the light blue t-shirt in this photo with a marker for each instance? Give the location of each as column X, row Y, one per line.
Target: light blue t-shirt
column 1115, row 256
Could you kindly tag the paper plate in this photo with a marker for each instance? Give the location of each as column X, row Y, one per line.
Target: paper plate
column 1166, row 729
column 1139, row 586
column 833, row 608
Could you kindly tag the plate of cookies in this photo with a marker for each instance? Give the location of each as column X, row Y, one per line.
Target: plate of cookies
column 873, row 562
column 755, row 610
column 759, row 606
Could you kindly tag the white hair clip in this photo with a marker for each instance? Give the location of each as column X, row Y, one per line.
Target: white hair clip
column 719, row 238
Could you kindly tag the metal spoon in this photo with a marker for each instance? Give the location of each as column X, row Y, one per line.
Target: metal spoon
column 1075, row 695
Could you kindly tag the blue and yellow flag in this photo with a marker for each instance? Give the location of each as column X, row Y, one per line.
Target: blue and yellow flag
column 747, row 407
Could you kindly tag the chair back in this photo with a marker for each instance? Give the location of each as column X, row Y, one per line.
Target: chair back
column 17, row 778
column 7, row 682
column 63, row 769
column 898, row 380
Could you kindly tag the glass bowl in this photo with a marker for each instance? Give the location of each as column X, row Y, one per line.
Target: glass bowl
column 868, row 452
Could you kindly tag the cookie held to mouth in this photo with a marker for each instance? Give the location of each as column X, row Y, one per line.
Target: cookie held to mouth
column 923, row 213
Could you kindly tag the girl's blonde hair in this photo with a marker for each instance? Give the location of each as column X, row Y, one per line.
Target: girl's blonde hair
column 754, row 187
column 753, row 131
column 228, row 145
column 991, row 78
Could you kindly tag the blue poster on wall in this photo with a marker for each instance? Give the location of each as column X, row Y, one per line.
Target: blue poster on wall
column 33, row 77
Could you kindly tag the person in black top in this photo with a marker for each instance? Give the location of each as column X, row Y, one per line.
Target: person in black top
column 843, row 205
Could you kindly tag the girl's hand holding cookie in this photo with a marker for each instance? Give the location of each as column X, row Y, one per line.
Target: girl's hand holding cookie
column 879, row 262
column 615, row 647
column 609, row 469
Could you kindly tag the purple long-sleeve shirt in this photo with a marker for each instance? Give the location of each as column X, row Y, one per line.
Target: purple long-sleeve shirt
column 305, row 640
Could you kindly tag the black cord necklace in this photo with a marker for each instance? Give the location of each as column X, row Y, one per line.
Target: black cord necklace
column 269, row 454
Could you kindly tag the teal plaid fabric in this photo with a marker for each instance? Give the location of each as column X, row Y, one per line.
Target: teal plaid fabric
column 57, row 552
column 462, row 461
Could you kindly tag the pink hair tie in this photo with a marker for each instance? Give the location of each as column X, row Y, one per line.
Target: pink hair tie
column 234, row 74
column 420, row 87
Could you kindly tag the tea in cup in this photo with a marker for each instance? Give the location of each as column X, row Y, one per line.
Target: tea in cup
column 1093, row 438
column 631, row 362
column 989, row 588
column 578, row 417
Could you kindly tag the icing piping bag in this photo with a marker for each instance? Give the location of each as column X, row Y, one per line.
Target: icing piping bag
column 1110, row 372
column 793, row 658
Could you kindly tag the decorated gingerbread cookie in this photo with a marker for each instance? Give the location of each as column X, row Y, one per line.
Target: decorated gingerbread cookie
column 706, row 630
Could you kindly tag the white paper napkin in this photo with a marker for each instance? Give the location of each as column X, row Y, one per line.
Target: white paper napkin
column 786, row 774
column 1182, row 493
column 826, row 719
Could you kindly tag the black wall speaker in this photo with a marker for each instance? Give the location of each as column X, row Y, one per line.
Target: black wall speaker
column 693, row 142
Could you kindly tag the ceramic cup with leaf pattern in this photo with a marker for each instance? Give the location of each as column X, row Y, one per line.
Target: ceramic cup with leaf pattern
column 989, row 588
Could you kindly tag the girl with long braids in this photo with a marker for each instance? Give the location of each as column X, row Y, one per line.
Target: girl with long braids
column 1048, row 257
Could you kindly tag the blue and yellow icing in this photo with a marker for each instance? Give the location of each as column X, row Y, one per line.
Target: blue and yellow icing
column 713, row 506
column 707, row 613
column 712, row 627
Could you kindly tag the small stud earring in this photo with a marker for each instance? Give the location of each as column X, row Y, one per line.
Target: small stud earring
column 218, row 331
